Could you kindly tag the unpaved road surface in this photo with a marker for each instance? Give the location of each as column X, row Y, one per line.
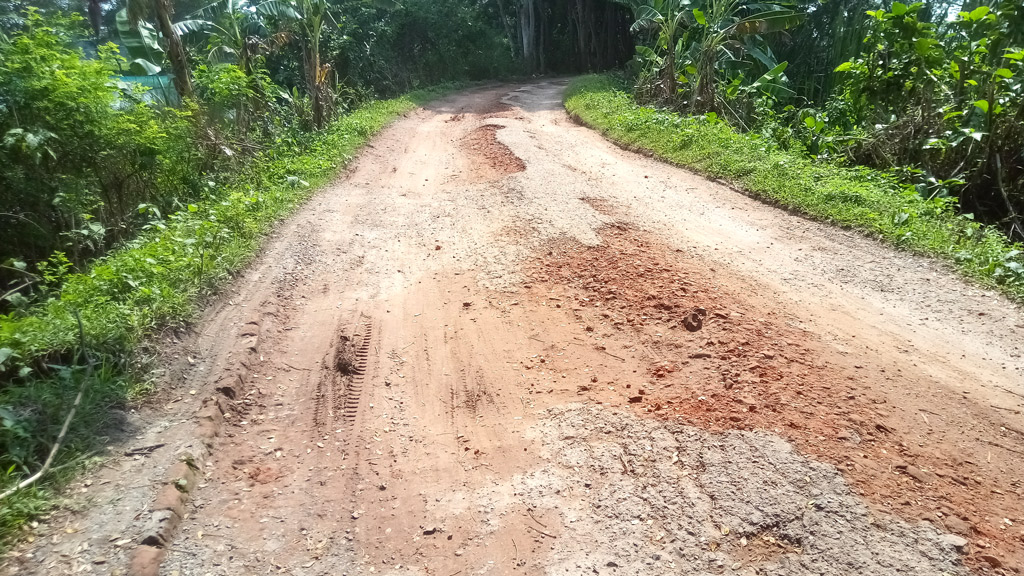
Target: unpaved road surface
column 501, row 345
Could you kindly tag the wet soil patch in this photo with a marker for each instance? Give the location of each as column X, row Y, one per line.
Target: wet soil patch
column 497, row 109
column 751, row 366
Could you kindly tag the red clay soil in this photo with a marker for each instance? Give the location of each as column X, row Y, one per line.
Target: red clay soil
column 491, row 158
column 750, row 366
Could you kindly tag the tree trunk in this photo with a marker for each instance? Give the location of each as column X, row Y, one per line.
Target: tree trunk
column 508, row 29
column 670, row 70
column 706, row 97
column 95, row 16
column 175, row 50
column 316, row 80
column 527, row 34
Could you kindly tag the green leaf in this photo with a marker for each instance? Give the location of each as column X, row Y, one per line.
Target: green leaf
column 923, row 45
column 186, row 27
column 1004, row 72
column 140, row 38
column 699, row 16
column 983, row 105
column 899, row 8
column 5, row 353
column 647, row 53
column 979, row 13
column 810, row 122
column 771, row 21
column 143, row 67
column 844, row 67
column 193, row 208
column 278, row 9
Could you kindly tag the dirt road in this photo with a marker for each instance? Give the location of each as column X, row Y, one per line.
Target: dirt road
column 502, row 345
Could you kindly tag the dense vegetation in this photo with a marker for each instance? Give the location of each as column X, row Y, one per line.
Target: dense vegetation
column 931, row 91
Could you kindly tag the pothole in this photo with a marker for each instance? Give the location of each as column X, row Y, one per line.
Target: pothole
column 490, row 157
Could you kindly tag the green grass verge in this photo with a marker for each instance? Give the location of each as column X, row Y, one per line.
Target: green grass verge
column 157, row 280
column 853, row 197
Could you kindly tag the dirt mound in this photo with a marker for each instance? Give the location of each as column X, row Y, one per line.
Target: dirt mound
column 492, row 159
column 751, row 366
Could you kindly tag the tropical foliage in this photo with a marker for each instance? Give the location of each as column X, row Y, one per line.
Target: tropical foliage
column 931, row 91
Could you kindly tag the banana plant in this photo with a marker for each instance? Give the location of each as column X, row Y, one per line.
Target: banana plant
column 720, row 31
column 133, row 18
column 703, row 33
column 141, row 42
column 666, row 18
column 308, row 19
column 234, row 33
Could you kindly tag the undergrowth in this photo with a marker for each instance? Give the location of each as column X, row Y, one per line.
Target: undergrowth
column 156, row 280
column 854, row 197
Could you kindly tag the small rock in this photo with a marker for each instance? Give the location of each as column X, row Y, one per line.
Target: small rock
column 636, row 399
column 955, row 541
column 957, row 526
column 355, row 515
column 991, row 561
column 99, row 560
column 459, row 552
column 612, row 564
column 922, row 476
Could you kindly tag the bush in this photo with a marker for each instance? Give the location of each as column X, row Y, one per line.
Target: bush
column 81, row 154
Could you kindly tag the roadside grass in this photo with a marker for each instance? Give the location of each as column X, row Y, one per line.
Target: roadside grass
column 158, row 279
column 852, row 197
